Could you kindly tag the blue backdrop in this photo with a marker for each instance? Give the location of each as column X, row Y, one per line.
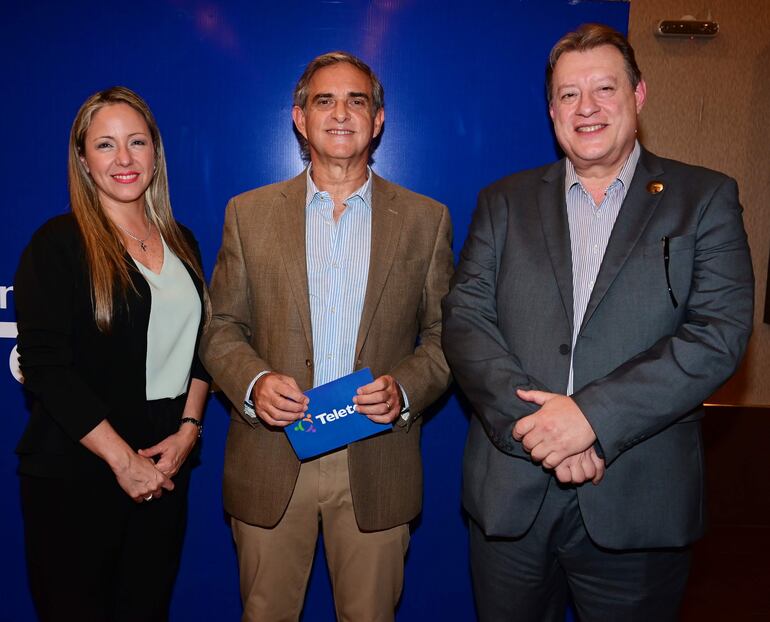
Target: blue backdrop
column 464, row 103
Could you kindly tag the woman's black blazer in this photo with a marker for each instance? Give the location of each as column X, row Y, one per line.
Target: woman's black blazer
column 75, row 375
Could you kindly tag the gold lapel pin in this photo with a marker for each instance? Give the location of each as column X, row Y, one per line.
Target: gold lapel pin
column 655, row 187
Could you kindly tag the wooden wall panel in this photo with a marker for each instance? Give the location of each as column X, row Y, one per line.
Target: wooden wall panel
column 730, row 576
column 709, row 104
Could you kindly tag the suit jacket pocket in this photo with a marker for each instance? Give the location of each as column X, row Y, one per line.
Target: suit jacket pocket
column 677, row 269
column 677, row 243
column 681, row 243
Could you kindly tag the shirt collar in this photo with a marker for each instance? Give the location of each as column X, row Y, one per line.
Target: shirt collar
column 364, row 192
column 625, row 175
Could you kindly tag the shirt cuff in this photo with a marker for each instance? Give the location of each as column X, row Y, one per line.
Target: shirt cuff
column 405, row 413
column 248, row 405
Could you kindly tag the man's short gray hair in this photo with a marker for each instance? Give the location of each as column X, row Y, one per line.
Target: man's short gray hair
column 324, row 60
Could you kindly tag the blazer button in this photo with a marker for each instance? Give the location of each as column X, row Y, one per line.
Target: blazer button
column 308, row 363
column 564, row 349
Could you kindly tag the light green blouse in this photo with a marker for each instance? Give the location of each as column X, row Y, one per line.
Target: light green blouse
column 175, row 313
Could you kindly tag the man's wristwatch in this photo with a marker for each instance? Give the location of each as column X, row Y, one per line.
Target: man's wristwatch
column 248, row 410
column 197, row 423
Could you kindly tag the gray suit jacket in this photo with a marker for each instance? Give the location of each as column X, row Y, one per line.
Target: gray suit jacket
column 261, row 320
column 642, row 367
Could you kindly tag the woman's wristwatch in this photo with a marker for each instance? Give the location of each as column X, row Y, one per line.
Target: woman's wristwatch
column 196, row 422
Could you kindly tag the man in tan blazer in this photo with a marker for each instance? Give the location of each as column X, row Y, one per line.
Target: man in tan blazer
column 329, row 272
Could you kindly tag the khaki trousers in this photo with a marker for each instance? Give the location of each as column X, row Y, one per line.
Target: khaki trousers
column 366, row 568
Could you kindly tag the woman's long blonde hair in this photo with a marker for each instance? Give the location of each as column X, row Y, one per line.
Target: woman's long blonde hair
column 105, row 252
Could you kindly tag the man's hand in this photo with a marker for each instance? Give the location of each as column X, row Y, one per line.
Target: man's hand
column 278, row 400
column 556, row 431
column 581, row 468
column 379, row 400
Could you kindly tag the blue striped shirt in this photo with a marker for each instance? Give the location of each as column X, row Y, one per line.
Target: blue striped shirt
column 590, row 227
column 337, row 270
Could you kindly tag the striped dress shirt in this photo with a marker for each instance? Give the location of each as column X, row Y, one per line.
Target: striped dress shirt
column 590, row 227
column 337, row 259
column 337, row 270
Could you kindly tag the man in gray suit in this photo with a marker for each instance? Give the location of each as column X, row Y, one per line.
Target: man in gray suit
column 598, row 301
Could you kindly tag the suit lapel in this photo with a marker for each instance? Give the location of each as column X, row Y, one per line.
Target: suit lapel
column 635, row 213
column 386, row 229
column 290, row 215
column 553, row 214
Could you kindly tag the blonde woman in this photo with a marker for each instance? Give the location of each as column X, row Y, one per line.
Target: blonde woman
column 110, row 306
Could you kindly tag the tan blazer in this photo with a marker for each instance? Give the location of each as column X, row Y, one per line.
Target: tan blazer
column 261, row 320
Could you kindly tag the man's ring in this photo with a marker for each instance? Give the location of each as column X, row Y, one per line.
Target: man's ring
column 388, row 405
column 148, row 498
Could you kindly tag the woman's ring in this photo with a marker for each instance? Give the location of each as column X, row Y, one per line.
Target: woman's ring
column 148, row 498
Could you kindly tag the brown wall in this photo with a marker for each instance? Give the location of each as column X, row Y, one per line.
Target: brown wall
column 709, row 104
column 729, row 576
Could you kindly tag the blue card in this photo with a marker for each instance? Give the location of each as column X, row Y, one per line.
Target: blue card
column 330, row 421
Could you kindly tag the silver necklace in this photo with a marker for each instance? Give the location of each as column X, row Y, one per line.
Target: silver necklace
column 141, row 241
